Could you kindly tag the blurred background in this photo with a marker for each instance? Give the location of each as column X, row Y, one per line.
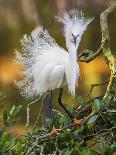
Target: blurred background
column 18, row 17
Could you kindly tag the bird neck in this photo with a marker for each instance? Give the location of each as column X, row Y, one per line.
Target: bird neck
column 72, row 55
column 72, row 70
column 73, row 52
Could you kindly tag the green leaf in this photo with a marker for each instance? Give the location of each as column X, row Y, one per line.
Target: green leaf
column 97, row 105
column 65, row 152
column 87, row 152
column 21, row 148
column 90, row 126
column 103, row 146
column 33, row 153
column 113, row 146
column 112, row 114
column 10, row 123
column 9, row 144
column 14, row 110
column 113, row 92
column 92, row 120
column 81, row 100
column 5, row 137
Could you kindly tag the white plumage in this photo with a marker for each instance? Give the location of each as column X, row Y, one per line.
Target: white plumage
column 48, row 66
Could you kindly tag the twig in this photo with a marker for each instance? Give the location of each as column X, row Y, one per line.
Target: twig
column 85, row 54
column 96, row 85
column 28, row 116
column 38, row 117
column 91, row 57
column 88, row 105
column 96, row 136
column 44, row 137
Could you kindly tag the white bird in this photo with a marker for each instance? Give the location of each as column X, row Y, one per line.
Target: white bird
column 47, row 65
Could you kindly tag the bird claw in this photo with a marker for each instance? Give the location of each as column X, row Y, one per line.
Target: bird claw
column 54, row 131
column 78, row 122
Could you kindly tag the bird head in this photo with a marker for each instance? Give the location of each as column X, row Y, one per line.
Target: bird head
column 75, row 23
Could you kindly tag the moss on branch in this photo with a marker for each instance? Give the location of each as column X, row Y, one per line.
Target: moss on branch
column 104, row 48
column 109, row 58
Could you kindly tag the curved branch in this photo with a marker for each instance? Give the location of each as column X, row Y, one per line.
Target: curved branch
column 106, row 46
column 97, row 85
column 90, row 57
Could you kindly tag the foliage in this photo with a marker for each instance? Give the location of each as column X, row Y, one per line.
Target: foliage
column 95, row 137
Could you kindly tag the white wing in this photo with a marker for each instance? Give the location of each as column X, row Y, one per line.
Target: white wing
column 36, row 48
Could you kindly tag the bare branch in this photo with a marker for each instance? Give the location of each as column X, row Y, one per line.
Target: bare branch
column 96, row 85
column 90, row 57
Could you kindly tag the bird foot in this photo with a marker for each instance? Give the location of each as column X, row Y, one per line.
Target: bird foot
column 54, row 131
column 78, row 122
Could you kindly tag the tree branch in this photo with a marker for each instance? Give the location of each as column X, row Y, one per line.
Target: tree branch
column 90, row 57
column 43, row 138
column 97, row 85
column 106, row 46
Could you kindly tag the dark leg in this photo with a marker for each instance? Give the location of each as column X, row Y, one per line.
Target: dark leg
column 50, row 105
column 61, row 104
column 47, row 106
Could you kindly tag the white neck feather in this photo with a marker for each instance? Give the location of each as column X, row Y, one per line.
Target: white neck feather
column 72, row 73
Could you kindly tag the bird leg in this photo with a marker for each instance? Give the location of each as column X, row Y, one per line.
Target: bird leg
column 75, row 121
column 61, row 104
column 50, row 113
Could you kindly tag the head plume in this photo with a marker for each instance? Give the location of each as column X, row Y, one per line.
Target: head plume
column 74, row 22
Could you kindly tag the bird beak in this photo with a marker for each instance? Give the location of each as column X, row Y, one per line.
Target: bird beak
column 75, row 40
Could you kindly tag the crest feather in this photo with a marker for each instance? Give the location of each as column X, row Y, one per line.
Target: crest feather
column 74, row 18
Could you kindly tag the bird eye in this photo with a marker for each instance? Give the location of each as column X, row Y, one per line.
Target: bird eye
column 77, row 35
column 72, row 35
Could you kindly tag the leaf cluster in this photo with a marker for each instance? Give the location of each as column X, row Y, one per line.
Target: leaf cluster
column 97, row 136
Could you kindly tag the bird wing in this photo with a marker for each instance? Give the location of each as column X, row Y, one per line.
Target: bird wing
column 38, row 42
column 34, row 47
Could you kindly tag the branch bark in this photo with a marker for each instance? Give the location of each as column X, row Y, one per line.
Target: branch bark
column 91, row 57
column 105, row 48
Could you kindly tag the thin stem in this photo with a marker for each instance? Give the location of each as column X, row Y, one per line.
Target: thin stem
column 28, row 116
column 97, row 85
column 91, row 56
column 44, row 137
column 38, row 117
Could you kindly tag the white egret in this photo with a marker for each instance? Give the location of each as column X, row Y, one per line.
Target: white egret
column 47, row 65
